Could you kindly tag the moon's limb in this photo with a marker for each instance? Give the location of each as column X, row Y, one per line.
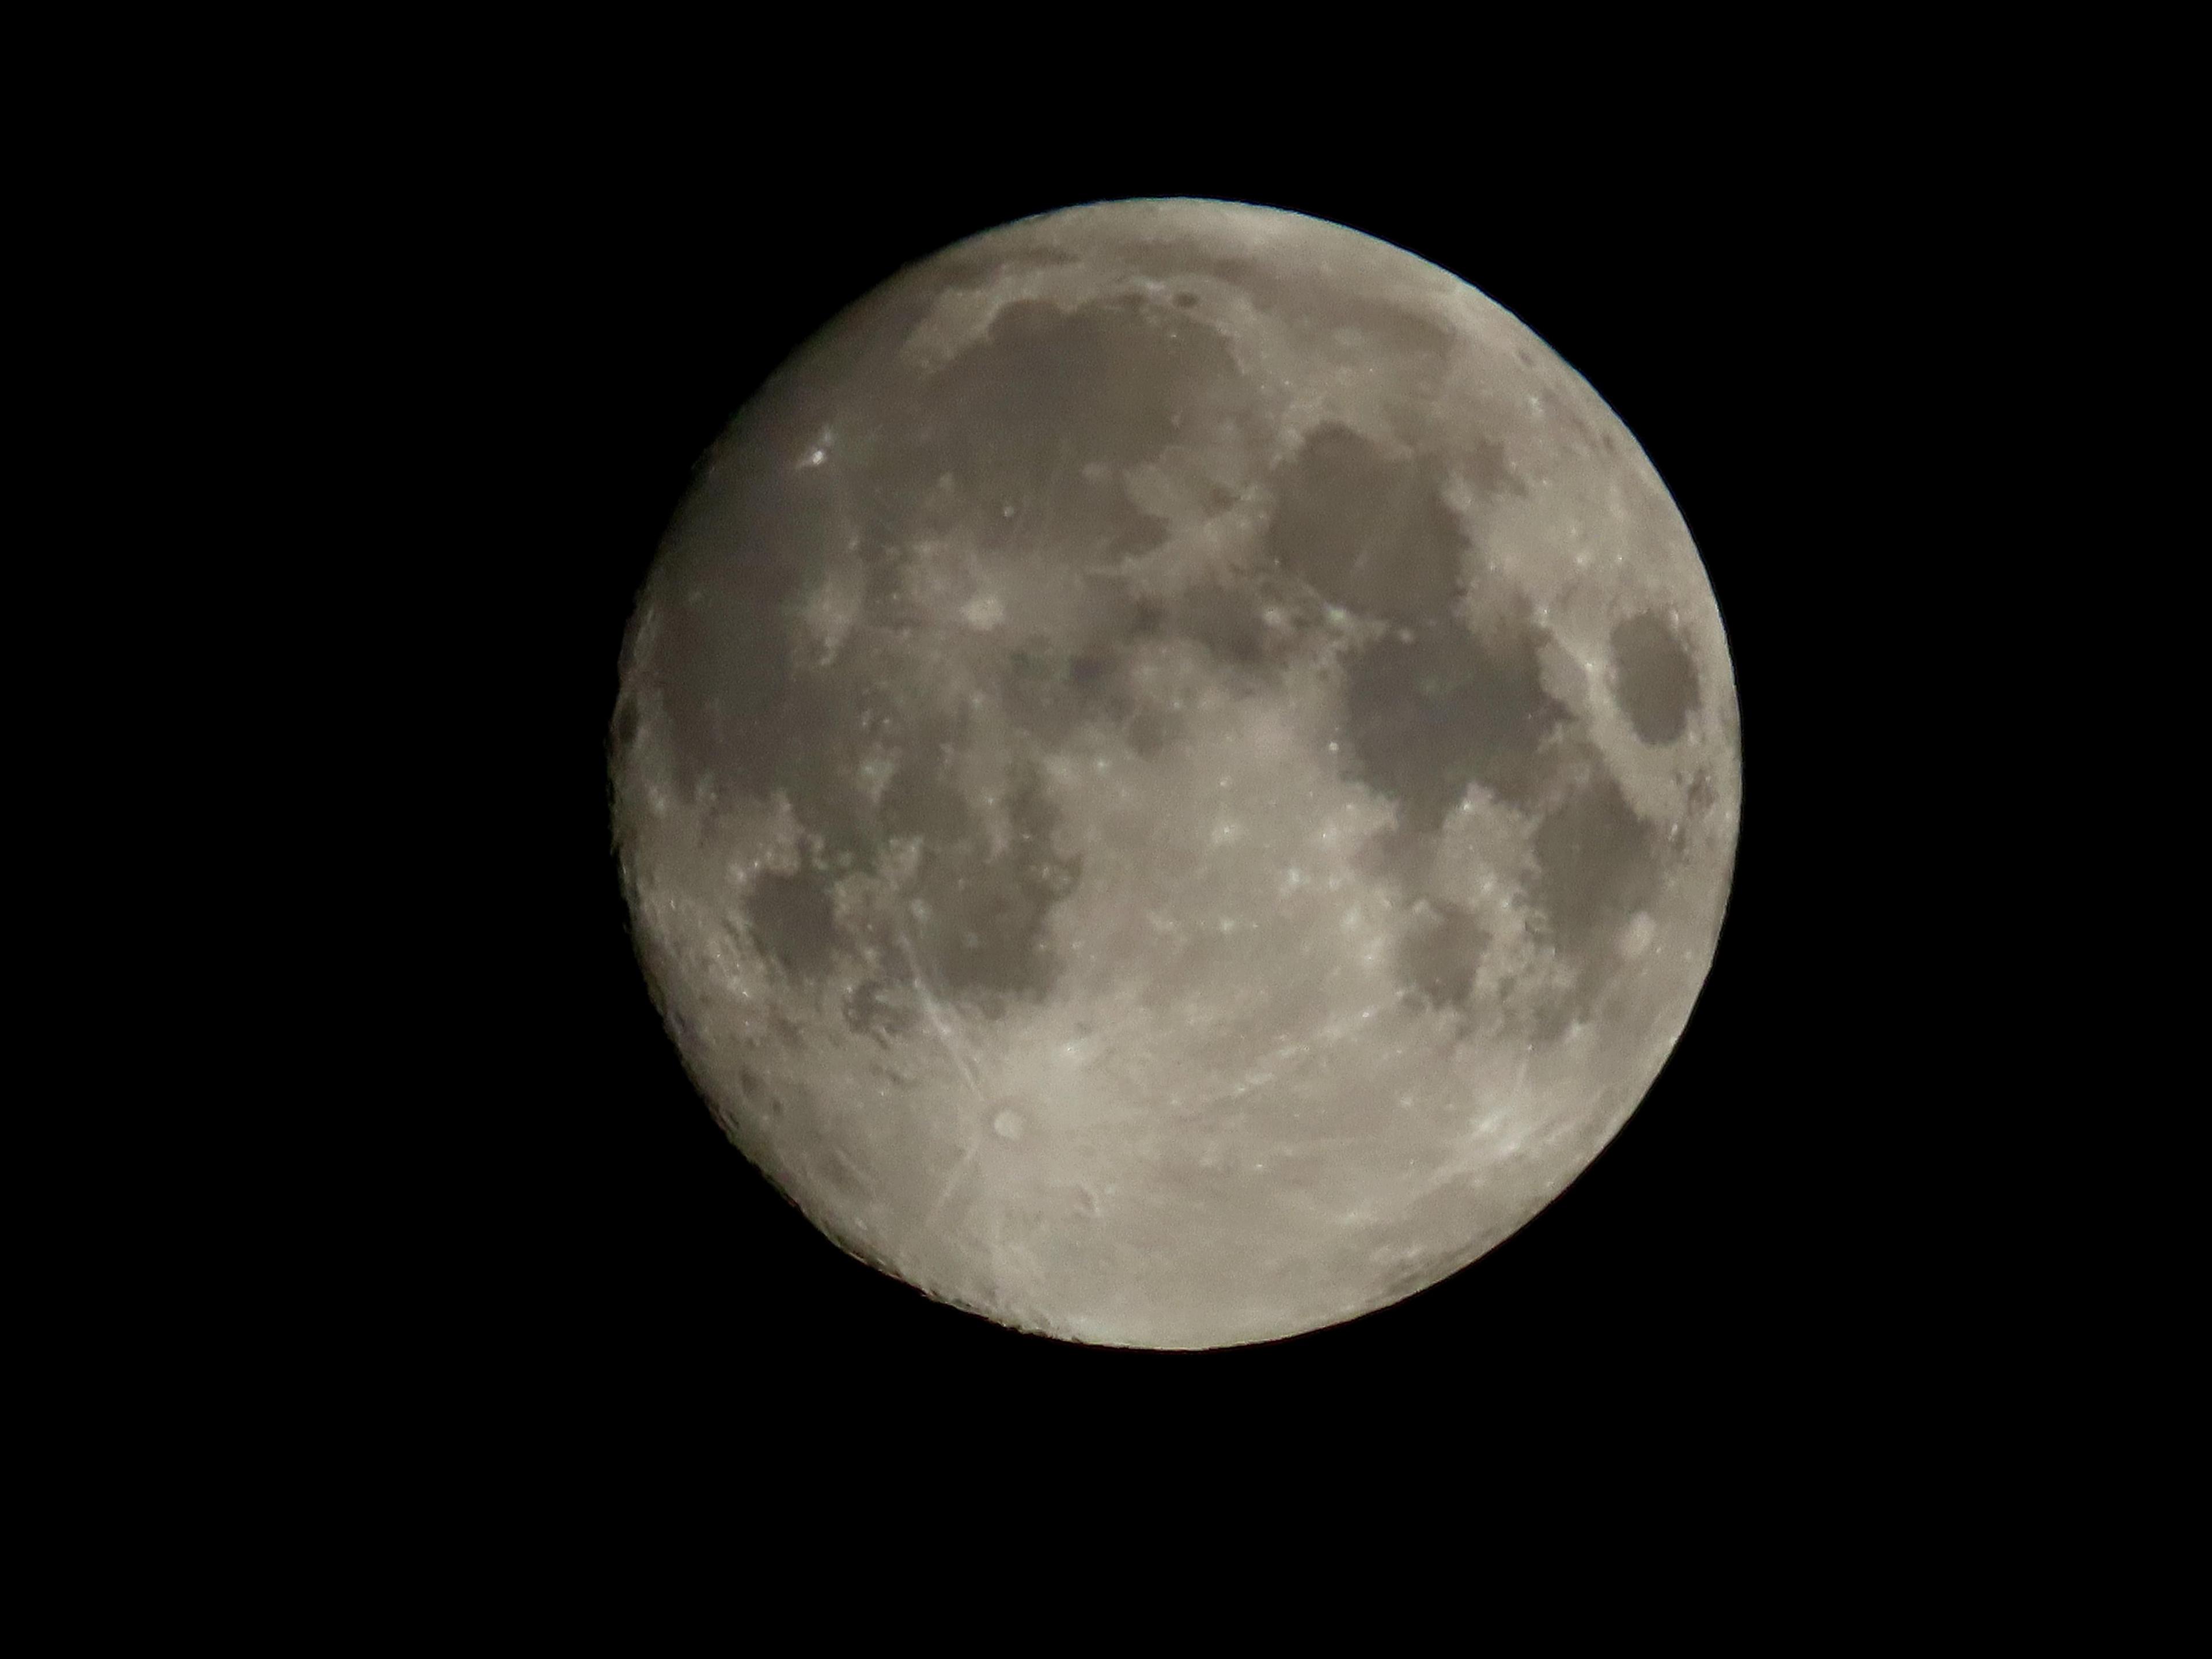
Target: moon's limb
column 1176, row 775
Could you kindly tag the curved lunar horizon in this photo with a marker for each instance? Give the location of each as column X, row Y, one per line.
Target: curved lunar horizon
column 1177, row 775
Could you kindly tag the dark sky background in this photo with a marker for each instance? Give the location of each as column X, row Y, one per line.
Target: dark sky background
column 611, row 310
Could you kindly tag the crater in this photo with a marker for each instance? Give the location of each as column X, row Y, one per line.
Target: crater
column 1653, row 681
column 1367, row 531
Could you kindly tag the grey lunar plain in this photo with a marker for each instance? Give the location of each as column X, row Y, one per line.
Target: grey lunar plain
column 1177, row 775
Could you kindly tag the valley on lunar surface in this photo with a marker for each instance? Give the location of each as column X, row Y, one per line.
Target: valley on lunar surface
column 1175, row 775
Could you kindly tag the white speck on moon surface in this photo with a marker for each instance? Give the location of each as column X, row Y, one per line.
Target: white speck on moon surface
column 1177, row 775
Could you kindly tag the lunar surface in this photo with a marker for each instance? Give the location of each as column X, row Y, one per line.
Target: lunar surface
column 1176, row 775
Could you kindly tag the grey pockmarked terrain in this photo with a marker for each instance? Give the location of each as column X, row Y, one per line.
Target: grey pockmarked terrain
column 1177, row 775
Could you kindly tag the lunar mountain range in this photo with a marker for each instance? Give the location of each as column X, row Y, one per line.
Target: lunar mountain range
column 1177, row 775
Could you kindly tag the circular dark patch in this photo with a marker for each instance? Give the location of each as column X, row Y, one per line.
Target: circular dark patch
column 1653, row 681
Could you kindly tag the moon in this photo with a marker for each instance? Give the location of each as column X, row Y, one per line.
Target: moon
column 1177, row 775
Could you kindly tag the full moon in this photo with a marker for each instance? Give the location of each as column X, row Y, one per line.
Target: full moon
column 1175, row 775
